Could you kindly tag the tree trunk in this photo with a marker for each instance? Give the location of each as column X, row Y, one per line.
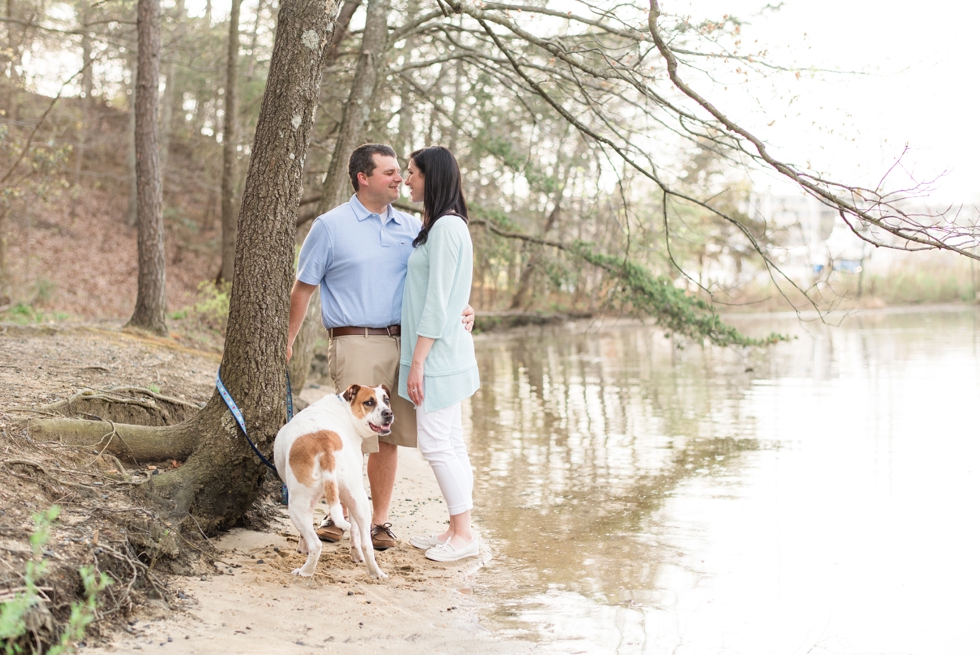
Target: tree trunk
column 357, row 110
column 151, row 298
column 406, row 127
column 132, row 209
column 405, row 140
column 340, row 31
column 12, row 48
column 172, row 101
column 457, row 103
column 4, row 273
column 221, row 479
column 87, row 85
column 229, row 170
column 304, row 345
column 253, row 41
column 523, row 295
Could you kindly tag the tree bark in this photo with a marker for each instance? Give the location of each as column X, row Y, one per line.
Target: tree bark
column 172, row 101
column 151, row 298
column 253, row 41
column 138, row 443
column 132, row 209
column 340, row 31
column 229, row 170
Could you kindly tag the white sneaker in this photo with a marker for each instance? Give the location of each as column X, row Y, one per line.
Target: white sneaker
column 430, row 540
column 446, row 552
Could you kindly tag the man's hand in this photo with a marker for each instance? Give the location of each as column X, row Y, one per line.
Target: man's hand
column 469, row 318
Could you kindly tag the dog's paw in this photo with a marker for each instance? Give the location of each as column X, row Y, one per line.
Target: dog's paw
column 356, row 556
column 302, row 573
column 342, row 524
column 380, row 576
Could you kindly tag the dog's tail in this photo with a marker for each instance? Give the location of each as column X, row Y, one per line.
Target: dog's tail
column 333, row 502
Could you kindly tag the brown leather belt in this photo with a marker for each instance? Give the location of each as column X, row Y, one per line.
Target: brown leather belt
column 390, row 331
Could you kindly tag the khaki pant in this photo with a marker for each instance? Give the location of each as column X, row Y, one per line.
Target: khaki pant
column 370, row 361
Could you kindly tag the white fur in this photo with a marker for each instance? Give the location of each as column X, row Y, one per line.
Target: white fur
column 335, row 414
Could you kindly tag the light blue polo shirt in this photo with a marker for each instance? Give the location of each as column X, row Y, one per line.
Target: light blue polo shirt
column 359, row 259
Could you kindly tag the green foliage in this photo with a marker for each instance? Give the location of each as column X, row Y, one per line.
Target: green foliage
column 213, row 303
column 23, row 314
column 640, row 292
column 205, row 322
column 14, row 613
column 26, row 314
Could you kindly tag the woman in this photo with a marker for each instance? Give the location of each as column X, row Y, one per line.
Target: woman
column 438, row 365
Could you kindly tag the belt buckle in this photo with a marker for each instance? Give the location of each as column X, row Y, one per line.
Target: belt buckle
column 388, row 330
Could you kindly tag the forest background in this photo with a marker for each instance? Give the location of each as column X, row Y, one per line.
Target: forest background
column 545, row 157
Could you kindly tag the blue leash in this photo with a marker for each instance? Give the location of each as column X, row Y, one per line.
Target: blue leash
column 237, row 413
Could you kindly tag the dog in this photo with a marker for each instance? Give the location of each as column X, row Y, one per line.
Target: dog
column 318, row 454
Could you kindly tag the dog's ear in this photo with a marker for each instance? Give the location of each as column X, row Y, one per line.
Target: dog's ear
column 351, row 392
column 387, row 390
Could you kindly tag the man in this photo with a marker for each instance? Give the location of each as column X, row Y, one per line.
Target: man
column 358, row 255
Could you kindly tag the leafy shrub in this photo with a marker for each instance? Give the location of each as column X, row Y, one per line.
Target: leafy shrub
column 14, row 613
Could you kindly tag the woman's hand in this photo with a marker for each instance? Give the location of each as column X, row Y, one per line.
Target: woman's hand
column 416, row 383
column 416, row 374
column 469, row 317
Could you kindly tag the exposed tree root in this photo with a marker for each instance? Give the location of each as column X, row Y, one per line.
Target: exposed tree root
column 134, row 405
column 208, row 492
column 129, row 442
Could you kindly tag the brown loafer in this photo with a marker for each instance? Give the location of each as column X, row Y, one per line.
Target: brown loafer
column 330, row 532
column 382, row 538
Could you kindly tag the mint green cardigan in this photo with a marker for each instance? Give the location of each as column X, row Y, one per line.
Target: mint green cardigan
column 437, row 290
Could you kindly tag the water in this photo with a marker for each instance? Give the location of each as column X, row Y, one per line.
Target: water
column 817, row 497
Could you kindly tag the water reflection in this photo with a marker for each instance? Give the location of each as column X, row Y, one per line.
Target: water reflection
column 642, row 498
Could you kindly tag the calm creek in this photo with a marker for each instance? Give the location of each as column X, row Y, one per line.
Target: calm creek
column 814, row 497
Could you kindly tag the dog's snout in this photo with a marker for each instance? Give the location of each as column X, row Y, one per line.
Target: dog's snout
column 386, row 415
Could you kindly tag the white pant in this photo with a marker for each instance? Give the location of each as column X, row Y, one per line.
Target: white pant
column 441, row 443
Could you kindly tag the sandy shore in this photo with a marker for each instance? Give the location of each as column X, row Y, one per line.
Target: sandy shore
column 256, row 606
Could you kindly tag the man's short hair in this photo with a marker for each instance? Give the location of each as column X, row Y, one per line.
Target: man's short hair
column 362, row 160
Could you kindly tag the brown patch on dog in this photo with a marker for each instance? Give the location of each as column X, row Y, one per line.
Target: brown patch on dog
column 351, row 392
column 330, row 491
column 361, row 396
column 316, row 446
